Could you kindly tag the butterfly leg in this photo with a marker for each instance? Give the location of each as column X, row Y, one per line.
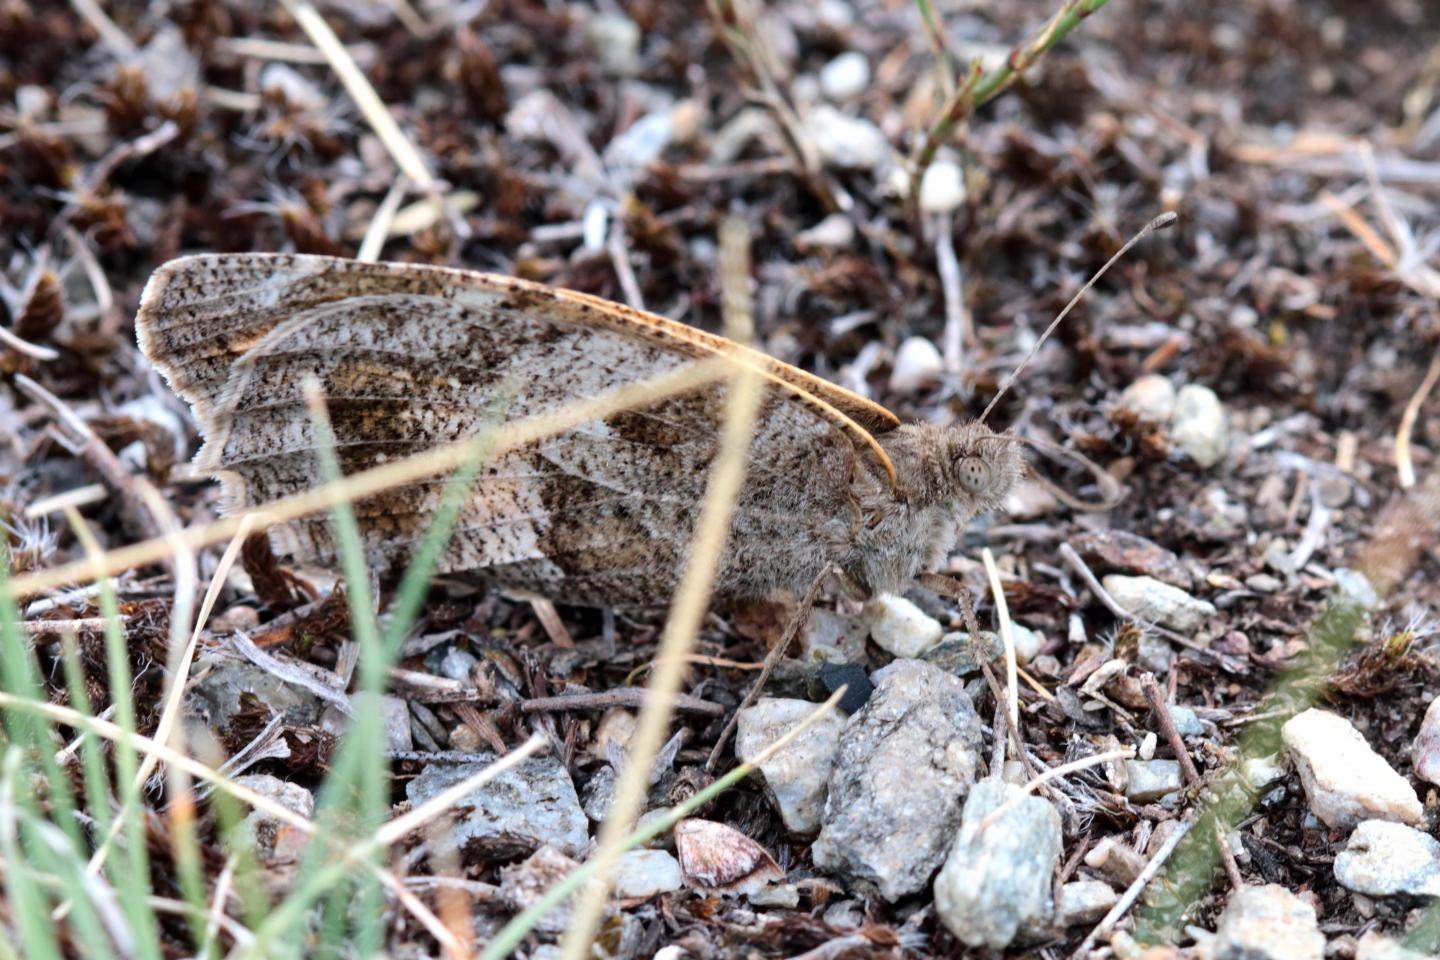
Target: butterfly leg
column 957, row 591
column 777, row 652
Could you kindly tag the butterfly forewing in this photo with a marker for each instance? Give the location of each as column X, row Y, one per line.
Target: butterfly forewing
column 409, row 357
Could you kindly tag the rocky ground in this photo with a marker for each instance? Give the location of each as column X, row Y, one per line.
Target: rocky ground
column 1253, row 619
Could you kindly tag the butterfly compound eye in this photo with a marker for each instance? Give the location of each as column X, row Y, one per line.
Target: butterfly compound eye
column 973, row 473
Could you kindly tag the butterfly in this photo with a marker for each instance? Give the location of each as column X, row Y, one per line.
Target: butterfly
column 411, row 356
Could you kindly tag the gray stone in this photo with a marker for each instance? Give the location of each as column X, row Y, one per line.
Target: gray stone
column 846, row 76
column 396, row 714
column 216, row 697
column 997, row 880
column 1267, row 923
column 1425, row 751
column 796, row 777
column 1150, row 399
column 905, row 763
column 1198, row 425
column 599, row 793
column 1083, row 901
column 956, row 654
column 1344, row 779
column 783, row 895
column 1148, row 780
column 1151, row 599
column 527, row 806
column 457, row 664
column 1382, row 859
column 1187, row 723
column 1264, row 583
column 647, row 873
column 900, row 628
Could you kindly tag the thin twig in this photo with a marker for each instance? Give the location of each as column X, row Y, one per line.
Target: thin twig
column 112, row 36
column 379, row 228
column 55, row 628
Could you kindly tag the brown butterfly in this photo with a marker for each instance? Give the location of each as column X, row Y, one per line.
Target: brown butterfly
column 410, row 357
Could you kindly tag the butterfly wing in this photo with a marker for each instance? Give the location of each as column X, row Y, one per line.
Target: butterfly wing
column 409, row 357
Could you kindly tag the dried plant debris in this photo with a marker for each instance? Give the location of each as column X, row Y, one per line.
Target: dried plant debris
column 1246, row 632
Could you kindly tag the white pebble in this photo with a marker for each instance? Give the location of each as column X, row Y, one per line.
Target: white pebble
column 1028, row 643
column 1151, row 599
column 900, row 628
column 942, row 188
column 1344, row 779
column 615, row 40
column 846, row 76
column 1151, row 399
column 836, row 231
column 918, row 364
column 1199, row 426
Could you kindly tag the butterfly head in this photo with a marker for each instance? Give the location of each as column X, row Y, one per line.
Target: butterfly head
column 981, row 466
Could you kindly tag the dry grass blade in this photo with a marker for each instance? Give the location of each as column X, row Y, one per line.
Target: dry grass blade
column 1007, row 637
column 1404, row 466
column 380, row 224
column 387, row 476
column 406, row 155
column 112, row 36
column 691, row 599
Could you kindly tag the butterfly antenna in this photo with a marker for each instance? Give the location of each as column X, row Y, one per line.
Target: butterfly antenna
column 1159, row 223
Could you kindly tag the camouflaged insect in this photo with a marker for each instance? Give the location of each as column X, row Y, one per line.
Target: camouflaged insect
column 412, row 356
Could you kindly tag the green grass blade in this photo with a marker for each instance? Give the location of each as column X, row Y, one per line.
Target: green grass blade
column 29, row 906
column 132, row 881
